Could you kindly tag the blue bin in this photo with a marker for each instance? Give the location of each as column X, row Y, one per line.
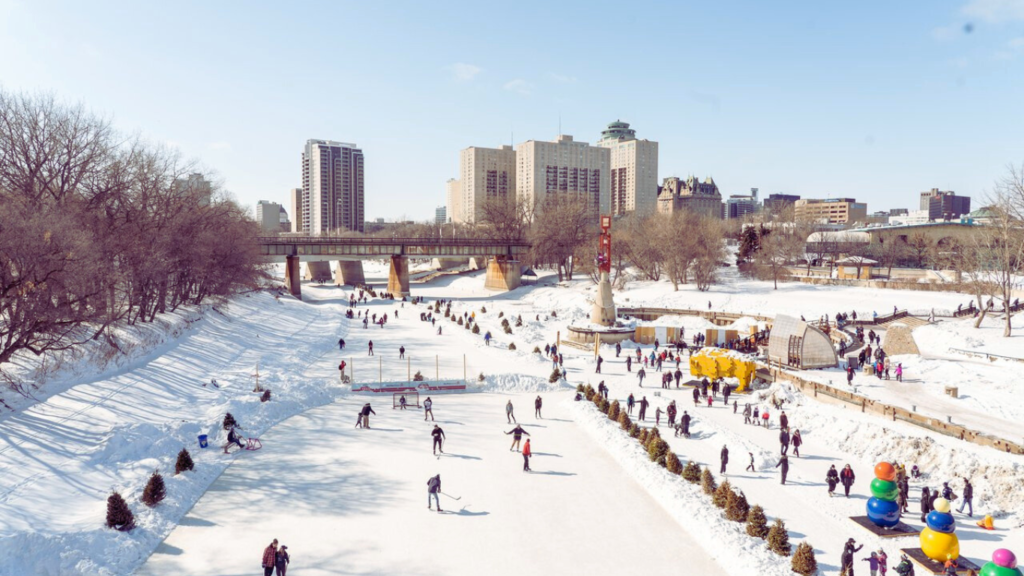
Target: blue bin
column 203, row 441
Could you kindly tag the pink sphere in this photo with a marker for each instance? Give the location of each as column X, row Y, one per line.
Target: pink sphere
column 1004, row 558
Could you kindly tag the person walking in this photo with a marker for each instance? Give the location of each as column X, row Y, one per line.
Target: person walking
column 341, row 343
column 832, row 479
column 509, row 415
column 365, row 413
column 370, row 348
column 629, row 363
column 797, row 440
column 439, row 438
column 750, row 467
column 657, row 416
column 764, row 419
column 270, row 558
column 526, row 456
column 600, row 361
column 784, row 441
column 926, row 502
column 968, row 500
column 746, row 413
column 783, row 421
column 641, row 373
column 847, row 477
column 678, row 374
column 643, row 408
column 281, row 561
column 685, row 423
column 401, row 352
column 696, row 397
column 630, row 402
column 536, row 407
column 872, row 563
column 428, row 409
column 724, row 457
column 783, row 466
column 517, row 433
column 618, row 349
column 433, row 489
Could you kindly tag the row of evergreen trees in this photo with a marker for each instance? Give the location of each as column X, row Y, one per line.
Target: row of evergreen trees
column 733, row 502
column 120, row 516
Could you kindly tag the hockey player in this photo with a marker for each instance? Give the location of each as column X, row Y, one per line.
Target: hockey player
column 439, row 438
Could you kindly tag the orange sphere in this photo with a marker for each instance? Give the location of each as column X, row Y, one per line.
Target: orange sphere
column 885, row 471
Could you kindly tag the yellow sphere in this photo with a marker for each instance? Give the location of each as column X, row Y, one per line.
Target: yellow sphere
column 942, row 505
column 938, row 546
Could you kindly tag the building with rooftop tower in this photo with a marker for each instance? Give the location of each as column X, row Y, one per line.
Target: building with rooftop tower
column 633, row 172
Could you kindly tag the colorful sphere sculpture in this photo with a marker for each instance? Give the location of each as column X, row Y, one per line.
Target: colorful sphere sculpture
column 883, row 510
column 938, row 539
column 1003, row 563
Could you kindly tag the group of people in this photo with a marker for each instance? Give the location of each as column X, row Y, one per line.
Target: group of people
column 275, row 556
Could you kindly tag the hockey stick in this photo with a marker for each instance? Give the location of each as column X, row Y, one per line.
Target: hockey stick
column 452, row 497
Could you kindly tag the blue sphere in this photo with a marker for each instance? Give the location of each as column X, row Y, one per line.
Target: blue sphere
column 884, row 513
column 940, row 522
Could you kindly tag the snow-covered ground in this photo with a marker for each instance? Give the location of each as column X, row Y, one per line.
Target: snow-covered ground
column 315, row 484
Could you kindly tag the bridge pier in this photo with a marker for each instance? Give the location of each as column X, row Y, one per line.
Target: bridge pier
column 502, row 274
column 398, row 276
column 349, row 273
column 292, row 278
column 318, row 271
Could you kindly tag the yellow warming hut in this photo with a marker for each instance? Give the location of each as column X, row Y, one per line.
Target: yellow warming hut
column 721, row 363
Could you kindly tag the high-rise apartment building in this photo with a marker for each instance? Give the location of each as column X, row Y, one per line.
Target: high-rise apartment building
column 295, row 207
column 453, row 199
column 197, row 184
column 944, row 205
column 332, row 187
column 562, row 168
column 690, row 194
column 272, row 217
column 832, row 210
column 440, row 215
column 484, row 174
column 633, row 171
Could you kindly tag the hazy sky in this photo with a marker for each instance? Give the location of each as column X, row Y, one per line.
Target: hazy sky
column 876, row 100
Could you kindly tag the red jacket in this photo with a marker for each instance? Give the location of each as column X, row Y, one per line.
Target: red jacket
column 269, row 556
column 526, row 449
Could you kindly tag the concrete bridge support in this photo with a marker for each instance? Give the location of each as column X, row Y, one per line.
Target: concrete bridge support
column 445, row 263
column 318, row 271
column 398, row 276
column 349, row 273
column 502, row 274
column 477, row 263
column 292, row 278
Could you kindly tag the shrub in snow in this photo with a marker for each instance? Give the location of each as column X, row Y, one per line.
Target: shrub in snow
column 613, row 411
column 736, row 507
column 757, row 524
column 500, row 314
column 707, row 482
column 624, row 420
column 155, row 490
column 778, row 538
column 803, row 560
column 184, row 462
column 555, row 375
column 580, row 388
column 603, row 405
column 476, row 329
column 657, row 449
column 536, row 350
column 643, row 437
column 634, row 430
column 672, row 463
column 460, row 320
column 652, row 435
column 504, row 321
column 519, row 321
column 447, row 313
column 418, row 377
column 229, row 421
column 265, row 397
column 721, row 497
column 483, row 309
column 691, row 472
column 508, row 329
column 512, row 346
column 469, row 324
column 481, row 377
column 119, row 516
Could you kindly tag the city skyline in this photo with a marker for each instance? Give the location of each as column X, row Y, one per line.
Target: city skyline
column 876, row 103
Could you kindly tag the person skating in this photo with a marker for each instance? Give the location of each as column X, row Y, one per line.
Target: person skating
column 764, row 419
column 750, row 467
column 536, row 407
column 341, row 343
column 629, row 363
column 643, row 408
column 526, row 456
column 439, row 438
column 402, row 402
column 657, row 416
column 509, row 415
column 618, row 349
column 784, row 441
column 281, row 561
column 832, row 478
column 696, row 397
column 783, row 421
column 724, row 457
column 756, row 417
column 847, row 558
column 600, row 361
column 678, row 374
column 783, row 465
column 847, row 477
column 726, row 391
column 796, row 441
column 968, row 498
column 401, row 352
column 365, row 413
column 428, row 409
column 685, row 423
column 270, row 558
column 671, row 411
column 433, row 489
column 370, row 348
column 883, row 562
column 746, row 413
column 641, row 373
column 630, row 402
column 517, row 436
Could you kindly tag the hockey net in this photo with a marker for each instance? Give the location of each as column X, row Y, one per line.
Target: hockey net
column 412, row 399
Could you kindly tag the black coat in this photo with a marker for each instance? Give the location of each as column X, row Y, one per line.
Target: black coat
column 847, row 477
column 725, row 455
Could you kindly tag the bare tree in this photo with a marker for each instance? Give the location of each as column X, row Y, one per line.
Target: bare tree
column 778, row 247
column 677, row 234
column 505, row 220
column 640, row 244
column 564, row 229
column 1008, row 238
column 710, row 252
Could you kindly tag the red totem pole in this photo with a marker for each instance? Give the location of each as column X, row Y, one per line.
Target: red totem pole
column 604, row 255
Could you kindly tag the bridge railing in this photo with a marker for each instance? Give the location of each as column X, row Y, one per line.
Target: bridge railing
column 338, row 240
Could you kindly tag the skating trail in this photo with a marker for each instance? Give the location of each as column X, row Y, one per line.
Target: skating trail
column 352, row 501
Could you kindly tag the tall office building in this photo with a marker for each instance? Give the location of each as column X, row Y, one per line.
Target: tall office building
column 440, row 215
column 692, row 195
column 738, row 206
column 295, row 207
column 332, row 187
column 634, row 169
column 832, row 210
column 453, row 199
column 272, row 217
column 484, row 174
column 944, row 205
column 563, row 167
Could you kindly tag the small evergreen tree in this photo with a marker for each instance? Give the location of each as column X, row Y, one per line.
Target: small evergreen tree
column 500, row 314
column 119, row 516
column 265, row 397
column 613, row 411
column 803, row 560
column 643, row 437
column 634, row 430
column 736, row 507
column 691, row 472
column 536, row 350
column 519, row 321
column 624, row 420
column 603, row 405
column 707, row 482
column 672, row 463
column 508, row 329
column 721, row 497
column 511, row 345
column 778, row 538
column 460, row 320
column 657, row 449
column 184, row 462
column 652, row 435
column 757, row 524
column 155, row 490
column 481, row 377
column 418, row 377
column 229, row 421
column 580, row 388
column 476, row 329
column 483, row 309
column 555, row 375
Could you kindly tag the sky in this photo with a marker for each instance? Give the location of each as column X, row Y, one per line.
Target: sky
column 872, row 100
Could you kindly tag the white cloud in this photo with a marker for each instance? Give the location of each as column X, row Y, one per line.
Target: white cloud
column 464, row 72
column 219, row 145
column 561, row 78
column 519, row 86
column 995, row 10
column 945, row 33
